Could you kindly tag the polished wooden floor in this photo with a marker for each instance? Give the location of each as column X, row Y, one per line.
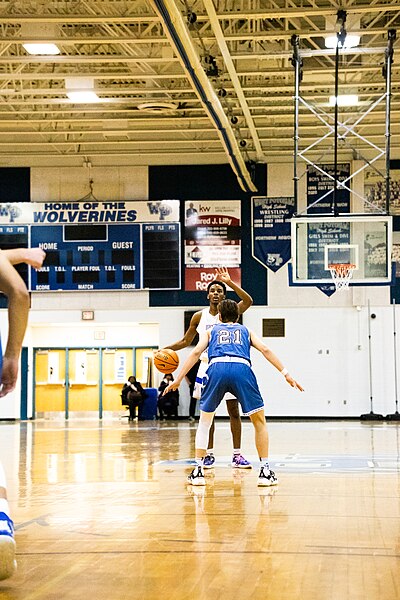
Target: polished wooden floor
column 102, row 512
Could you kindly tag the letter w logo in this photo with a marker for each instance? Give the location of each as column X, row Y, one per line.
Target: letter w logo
column 153, row 207
column 157, row 208
column 11, row 211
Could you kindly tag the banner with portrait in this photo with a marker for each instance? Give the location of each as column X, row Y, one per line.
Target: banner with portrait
column 212, row 239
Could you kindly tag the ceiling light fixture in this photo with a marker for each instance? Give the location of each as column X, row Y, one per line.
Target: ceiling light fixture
column 83, row 96
column 341, row 38
column 41, row 49
column 39, row 38
column 344, row 100
column 351, row 41
column 81, row 90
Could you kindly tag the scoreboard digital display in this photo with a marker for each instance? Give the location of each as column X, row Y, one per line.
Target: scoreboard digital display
column 76, row 261
column 161, row 256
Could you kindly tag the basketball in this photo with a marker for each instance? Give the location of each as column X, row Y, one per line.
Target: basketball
column 166, row 360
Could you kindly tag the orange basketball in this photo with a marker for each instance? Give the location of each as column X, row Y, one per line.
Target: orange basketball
column 166, row 360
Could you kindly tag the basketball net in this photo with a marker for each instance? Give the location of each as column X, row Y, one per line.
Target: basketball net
column 341, row 275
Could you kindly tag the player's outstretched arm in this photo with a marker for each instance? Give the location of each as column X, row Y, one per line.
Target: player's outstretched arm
column 18, row 306
column 245, row 299
column 31, row 256
column 274, row 360
column 191, row 359
column 189, row 333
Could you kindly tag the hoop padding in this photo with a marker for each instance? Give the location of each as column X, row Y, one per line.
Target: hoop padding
column 341, row 275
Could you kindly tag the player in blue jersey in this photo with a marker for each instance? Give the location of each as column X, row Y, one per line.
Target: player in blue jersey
column 230, row 371
column 200, row 322
column 14, row 288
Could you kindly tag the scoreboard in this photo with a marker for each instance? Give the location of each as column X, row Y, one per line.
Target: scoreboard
column 161, row 256
column 82, row 256
column 107, row 257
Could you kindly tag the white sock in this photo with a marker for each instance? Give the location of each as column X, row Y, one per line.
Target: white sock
column 199, row 462
column 264, row 463
column 236, row 451
column 210, row 451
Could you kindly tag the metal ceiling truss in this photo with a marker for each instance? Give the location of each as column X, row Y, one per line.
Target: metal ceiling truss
column 152, row 108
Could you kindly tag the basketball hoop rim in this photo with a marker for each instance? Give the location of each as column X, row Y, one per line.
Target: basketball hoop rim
column 342, row 267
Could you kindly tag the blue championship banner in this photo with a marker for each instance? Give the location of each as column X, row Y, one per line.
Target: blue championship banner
column 320, row 188
column 271, row 230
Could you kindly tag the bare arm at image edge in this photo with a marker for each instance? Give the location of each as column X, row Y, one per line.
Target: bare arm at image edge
column 14, row 288
column 31, row 256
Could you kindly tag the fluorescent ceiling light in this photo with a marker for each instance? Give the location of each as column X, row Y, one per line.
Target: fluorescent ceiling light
column 83, row 96
column 345, row 100
column 351, row 41
column 41, row 49
column 81, row 90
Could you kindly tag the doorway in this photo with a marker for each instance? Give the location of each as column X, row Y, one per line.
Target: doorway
column 86, row 382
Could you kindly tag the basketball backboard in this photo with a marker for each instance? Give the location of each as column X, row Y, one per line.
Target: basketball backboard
column 363, row 241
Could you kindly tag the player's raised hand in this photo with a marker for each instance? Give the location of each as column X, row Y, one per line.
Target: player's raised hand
column 223, row 274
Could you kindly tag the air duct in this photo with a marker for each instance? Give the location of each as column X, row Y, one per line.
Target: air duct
column 179, row 36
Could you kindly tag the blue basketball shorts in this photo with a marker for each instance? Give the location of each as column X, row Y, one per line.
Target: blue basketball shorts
column 235, row 378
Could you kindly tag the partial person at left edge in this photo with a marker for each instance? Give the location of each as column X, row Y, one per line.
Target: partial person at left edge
column 12, row 285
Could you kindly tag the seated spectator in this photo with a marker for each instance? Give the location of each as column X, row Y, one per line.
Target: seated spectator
column 132, row 395
column 167, row 404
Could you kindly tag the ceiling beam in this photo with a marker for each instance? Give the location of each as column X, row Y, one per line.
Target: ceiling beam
column 234, row 77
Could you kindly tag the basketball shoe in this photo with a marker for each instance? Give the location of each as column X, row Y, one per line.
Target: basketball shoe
column 267, row 477
column 209, row 461
column 196, row 477
column 8, row 564
column 240, row 462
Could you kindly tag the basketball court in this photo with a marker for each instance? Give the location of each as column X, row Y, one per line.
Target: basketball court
column 103, row 510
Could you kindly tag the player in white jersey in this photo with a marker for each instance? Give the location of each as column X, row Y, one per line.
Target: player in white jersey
column 202, row 321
